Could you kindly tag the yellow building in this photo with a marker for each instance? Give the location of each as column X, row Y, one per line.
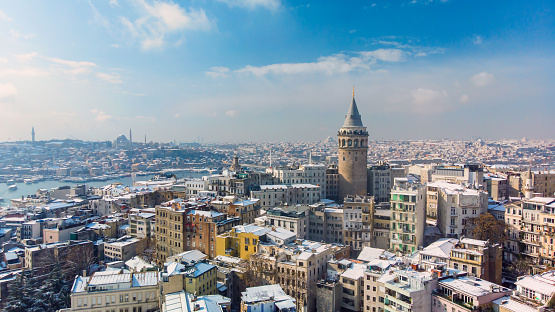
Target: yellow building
column 241, row 241
column 195, row 278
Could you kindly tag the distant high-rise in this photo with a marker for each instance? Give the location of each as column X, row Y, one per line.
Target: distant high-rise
column 130, row 139
column 353, row 150
column 33, row 134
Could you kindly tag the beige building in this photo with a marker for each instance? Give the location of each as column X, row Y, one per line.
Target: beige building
column 142, row 225
column 121, row 250
column 478, row 258
column 358, row 222
column 352, row 155
column 449, row 205
column 115, row 291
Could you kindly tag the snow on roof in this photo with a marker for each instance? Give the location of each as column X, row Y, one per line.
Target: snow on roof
column 508, row 304
column 541, row 283
column 251, row 228
column 138, row 264
column 471, row 286
column 475, row 242
column 356, row 272
column 183, row 302
column 440, row 248
column 368, row 254
column 145, row 279
column 188, row 256
column 211, row 214
column 264, row 293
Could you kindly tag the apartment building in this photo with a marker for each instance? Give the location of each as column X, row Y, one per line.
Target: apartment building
column 44, row 255
column 374, row 270
column 115, row 291
column 478, row 258
column 533, row 293
column 358, row 222
column 244, row 240
column 382, row 226
column 531, row 230
column 406, row 290
column 466, row 294
column 287, row 194
column 449, row 205
column 352, row 294
column 408, row 216
column 292, row 218
column 314, row 174
column 193, row 277
column 183, row 225
column 121, row 250
column 244, row 209
column 297, row 267
column 325, row 224
column 267, row 298
column 142, row 225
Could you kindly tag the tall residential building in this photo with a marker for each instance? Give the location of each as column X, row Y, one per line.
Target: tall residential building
column 408, row 216
column 449, row 205
column 353, row 151
column 358, row 222
column 313, row 174
column 380, row 180
column 182, row 226
column 531, row 228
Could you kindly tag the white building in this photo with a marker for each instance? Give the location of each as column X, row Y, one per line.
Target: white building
column 287, row 194
column 115, row 291
column 304, row 174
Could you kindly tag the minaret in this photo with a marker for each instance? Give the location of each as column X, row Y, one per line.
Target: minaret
column 33, row 135
column 235, row 164
column 528, row 185
column 352, row 156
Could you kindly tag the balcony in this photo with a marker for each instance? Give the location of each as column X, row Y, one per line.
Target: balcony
column 455, row 300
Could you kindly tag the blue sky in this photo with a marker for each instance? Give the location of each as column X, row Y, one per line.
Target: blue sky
column 272, row 70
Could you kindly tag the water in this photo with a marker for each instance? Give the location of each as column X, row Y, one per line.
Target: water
column 24, row 189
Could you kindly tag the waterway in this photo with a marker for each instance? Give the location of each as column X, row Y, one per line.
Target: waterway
column 24, row 189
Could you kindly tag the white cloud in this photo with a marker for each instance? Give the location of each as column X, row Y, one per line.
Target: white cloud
column 478, row 40
column 482, row 79
column 337, row 63
column 7, row 90
column 100, row 115
column 352, row 31
column 3, row 60
column 252, row 4
column 161, row 19
column 16, row 34
column 463, row 98
column 72, row 67
column 218, row 72
column 115, row 45
column 231, row 113
column 111, row 78
column 24, row 72
column 3, row 16
column 114, row 3
column 25, row 57
column 423, row 97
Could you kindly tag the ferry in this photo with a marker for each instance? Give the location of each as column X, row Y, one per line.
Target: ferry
column 28, row 181
column 12, row 187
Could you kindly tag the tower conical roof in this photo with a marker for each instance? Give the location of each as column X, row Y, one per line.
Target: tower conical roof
column 353, row 117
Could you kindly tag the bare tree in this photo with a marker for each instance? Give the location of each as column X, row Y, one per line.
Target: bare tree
column 77, row 259
column 146, row 249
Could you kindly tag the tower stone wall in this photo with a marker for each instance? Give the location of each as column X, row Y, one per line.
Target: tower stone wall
column 352, row 155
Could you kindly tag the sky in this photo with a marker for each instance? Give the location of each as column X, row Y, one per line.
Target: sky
column 276, row 70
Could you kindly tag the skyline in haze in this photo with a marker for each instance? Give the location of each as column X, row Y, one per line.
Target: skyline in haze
column 271, row 70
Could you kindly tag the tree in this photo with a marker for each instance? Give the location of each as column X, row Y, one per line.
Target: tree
column 146, row 249
column 520, row 267
column 77, row 258
column 487, row 227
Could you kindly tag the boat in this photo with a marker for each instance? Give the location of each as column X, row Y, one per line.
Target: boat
column 28, row 181
column 12, row 187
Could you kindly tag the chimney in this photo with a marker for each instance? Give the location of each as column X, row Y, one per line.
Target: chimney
column 84, row 273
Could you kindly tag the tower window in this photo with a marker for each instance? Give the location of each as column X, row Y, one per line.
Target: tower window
column 356, row 142
column 361, row 142
column 343, row 142
column 350, row 142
